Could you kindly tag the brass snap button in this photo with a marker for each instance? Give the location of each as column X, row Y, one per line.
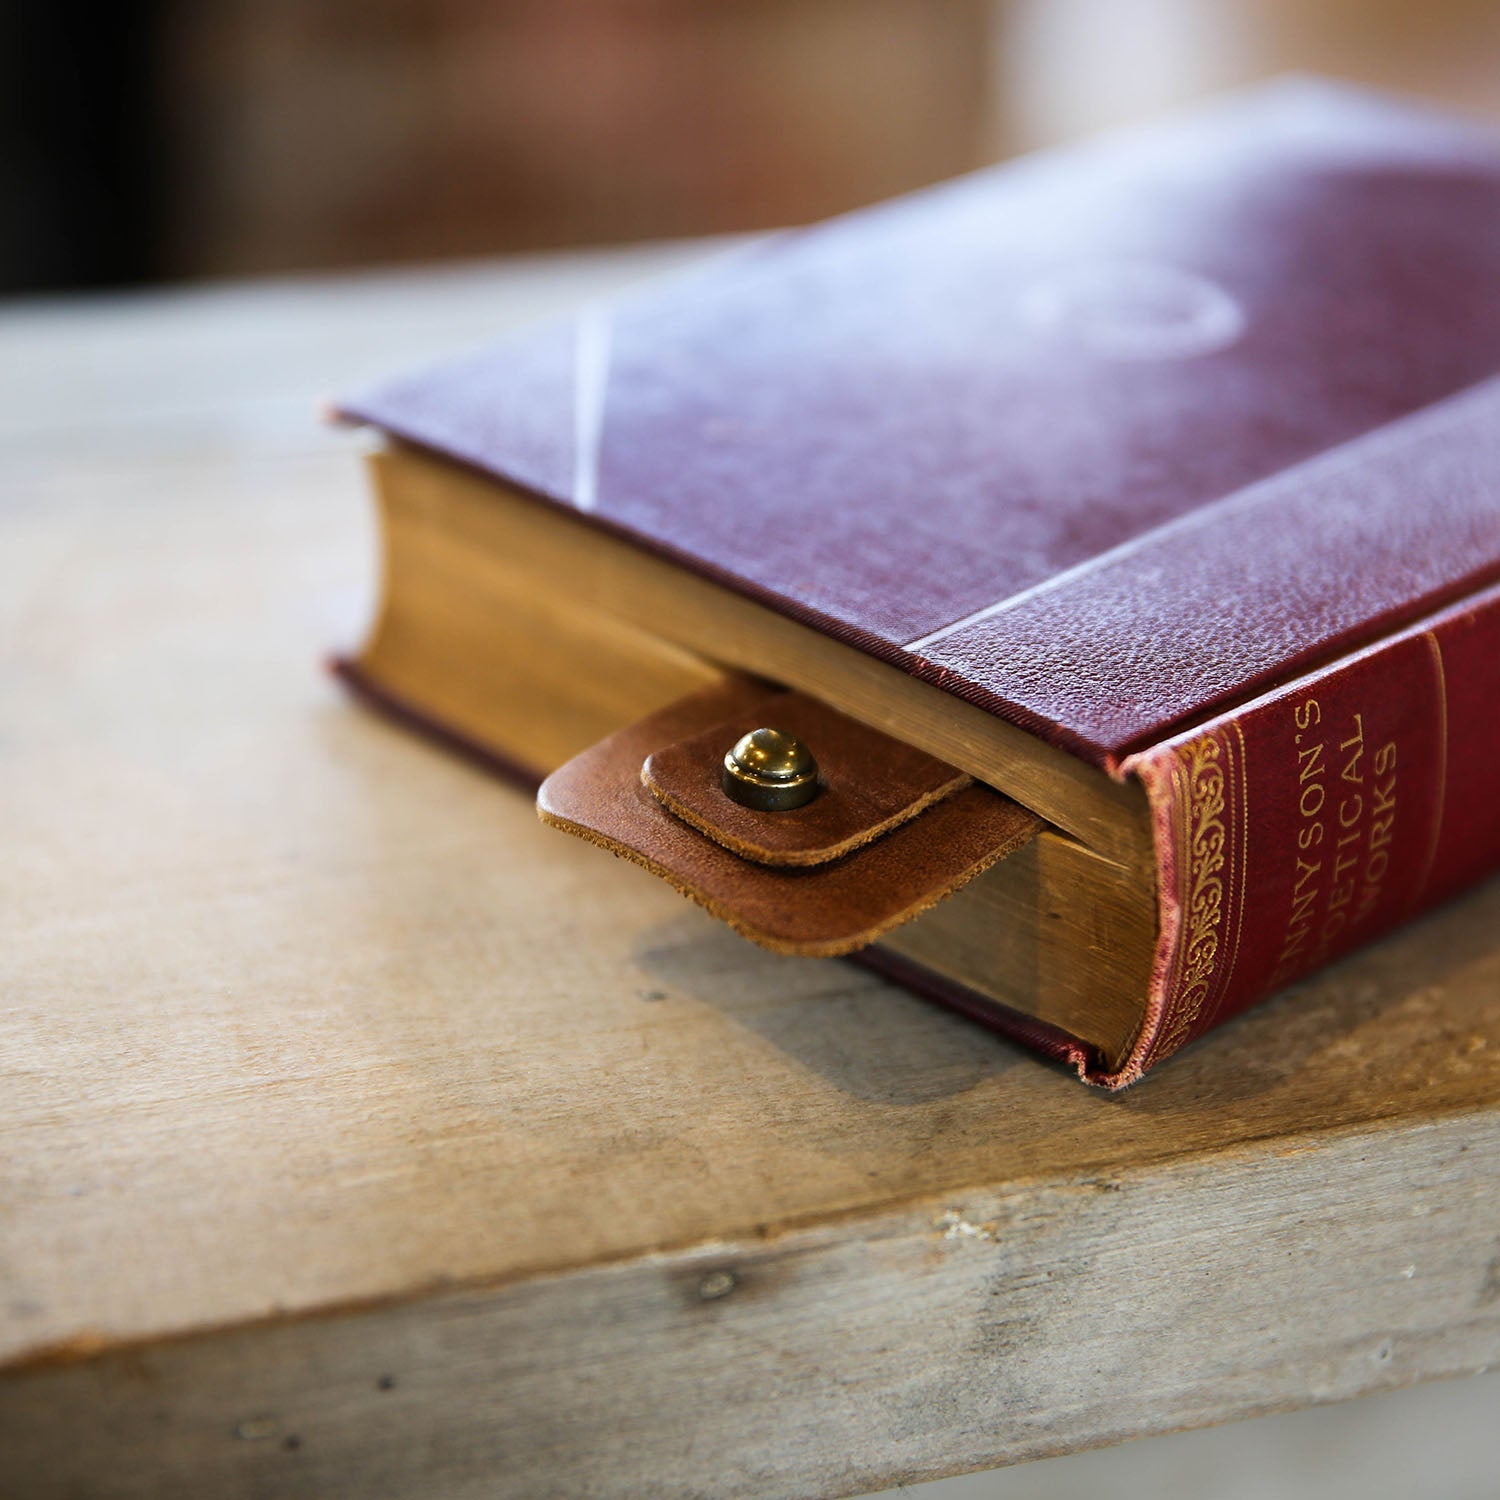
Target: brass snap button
column 770, row 771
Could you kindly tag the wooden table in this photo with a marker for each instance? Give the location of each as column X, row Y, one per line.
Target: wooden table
column 359, row 1136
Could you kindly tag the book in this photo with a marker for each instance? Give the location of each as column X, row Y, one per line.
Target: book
column 1151, row 485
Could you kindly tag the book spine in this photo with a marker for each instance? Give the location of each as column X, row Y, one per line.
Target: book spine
column 1316, row 817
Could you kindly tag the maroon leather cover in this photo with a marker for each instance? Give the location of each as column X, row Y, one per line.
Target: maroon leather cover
column 1102, row 440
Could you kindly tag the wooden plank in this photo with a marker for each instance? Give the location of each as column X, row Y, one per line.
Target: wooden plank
column 322, row 1060
column 831, row 1360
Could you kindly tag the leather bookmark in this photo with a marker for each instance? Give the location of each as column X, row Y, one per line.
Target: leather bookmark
column 891, row 833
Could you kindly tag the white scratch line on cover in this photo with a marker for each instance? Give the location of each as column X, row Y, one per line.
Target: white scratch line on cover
column 590, row 382
column 1330, row 461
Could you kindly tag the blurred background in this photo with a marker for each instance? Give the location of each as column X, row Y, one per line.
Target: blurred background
column 155, row 140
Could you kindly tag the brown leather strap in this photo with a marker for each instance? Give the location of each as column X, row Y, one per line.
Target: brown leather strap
column 869, row 784
column 825, row 909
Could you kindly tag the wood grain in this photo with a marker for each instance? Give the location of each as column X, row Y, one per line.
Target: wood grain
column 323, row 1062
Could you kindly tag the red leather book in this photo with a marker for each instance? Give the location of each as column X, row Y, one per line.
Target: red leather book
column 1178, row 450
